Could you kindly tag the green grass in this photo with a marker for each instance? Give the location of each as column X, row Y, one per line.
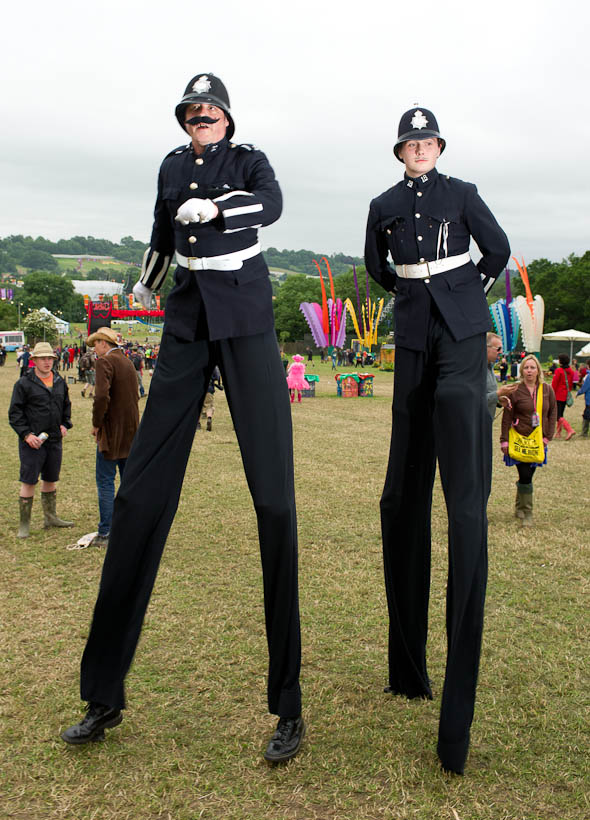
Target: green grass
column 190, row 745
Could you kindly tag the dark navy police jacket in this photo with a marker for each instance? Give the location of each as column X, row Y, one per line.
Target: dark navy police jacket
column 242, row 183
column 412, row 221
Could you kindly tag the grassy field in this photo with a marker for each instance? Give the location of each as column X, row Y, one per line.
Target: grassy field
column 110, row 266
column 190, row 745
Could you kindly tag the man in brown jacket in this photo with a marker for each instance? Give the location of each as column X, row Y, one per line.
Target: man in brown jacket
column 115, row 418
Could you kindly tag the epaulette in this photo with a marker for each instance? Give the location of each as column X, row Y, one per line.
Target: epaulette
column 244, row 145
column 180, row 150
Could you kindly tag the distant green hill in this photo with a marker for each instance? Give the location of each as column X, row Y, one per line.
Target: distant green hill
column 38, row 254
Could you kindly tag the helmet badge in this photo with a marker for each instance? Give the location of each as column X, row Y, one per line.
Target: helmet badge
column 202, row 85
column 418, row 120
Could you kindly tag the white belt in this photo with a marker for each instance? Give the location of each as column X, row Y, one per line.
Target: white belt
column 424, row 270
column 227, row 261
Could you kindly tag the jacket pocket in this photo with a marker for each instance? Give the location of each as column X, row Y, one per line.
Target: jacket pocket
column 249, row 273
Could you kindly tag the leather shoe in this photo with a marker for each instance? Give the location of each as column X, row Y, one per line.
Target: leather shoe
column 91, row 727
column 286, row 740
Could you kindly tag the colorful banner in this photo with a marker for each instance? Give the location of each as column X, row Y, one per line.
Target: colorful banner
column 99, row 315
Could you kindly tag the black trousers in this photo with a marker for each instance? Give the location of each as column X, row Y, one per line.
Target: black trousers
column 439, row 411
column 254, row 380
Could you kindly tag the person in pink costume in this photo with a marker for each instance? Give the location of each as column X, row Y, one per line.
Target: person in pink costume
column 295, row 377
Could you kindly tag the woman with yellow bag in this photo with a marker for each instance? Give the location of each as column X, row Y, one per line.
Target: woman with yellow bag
column 527, row 427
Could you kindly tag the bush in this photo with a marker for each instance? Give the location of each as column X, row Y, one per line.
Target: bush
column 39, row 327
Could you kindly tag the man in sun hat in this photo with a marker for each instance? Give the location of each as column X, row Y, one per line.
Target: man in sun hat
column 115, row 418
column 213, row 195
column 425, row 224
column 40, row 413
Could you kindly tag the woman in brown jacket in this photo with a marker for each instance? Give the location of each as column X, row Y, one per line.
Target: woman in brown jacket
column 522, row 415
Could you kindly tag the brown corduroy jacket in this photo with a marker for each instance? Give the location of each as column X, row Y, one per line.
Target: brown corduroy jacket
column 115, row 410
column 522, row 410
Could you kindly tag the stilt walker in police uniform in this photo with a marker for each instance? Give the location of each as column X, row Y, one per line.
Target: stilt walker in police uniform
column 213, row 195
column 426, row 222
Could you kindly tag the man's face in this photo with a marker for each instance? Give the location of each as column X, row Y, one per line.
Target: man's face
column 494, row 349
column 204, row 133
column 43, row 365
column 419, row 156
column 101, row 347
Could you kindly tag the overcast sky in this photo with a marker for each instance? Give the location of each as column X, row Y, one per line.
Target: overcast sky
column 88, row 97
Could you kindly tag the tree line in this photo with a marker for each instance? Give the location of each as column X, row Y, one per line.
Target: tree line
column 302, row 261
column 36, row 253
column 564, row 286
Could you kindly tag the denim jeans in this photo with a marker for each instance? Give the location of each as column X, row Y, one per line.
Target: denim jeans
column 105, row 484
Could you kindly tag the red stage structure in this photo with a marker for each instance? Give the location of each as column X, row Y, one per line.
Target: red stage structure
column 101, row 313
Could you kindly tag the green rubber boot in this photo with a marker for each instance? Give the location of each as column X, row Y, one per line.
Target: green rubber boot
column 518, row 508
column 25, row 506
column 51, row 519
column 525, row 491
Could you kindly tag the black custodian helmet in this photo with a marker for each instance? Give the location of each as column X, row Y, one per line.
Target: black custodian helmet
column 206, row 88
column 417, row 124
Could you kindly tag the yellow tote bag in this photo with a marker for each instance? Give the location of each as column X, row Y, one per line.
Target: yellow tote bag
column 529, row 449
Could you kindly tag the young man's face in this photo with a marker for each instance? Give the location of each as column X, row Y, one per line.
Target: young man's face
column 43, row 365
column 202, row 134
column 419, row 156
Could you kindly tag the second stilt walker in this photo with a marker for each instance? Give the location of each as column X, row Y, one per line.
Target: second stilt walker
column 425, row 223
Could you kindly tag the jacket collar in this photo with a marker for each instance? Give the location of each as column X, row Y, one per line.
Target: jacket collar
column 30, row 374
column 421, row 183
column 212, row 149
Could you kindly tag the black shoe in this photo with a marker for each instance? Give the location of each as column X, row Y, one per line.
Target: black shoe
column 285, row 742
column 91, row 727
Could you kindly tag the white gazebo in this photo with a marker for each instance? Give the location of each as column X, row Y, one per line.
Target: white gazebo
column 570, row 336
column 62, row 326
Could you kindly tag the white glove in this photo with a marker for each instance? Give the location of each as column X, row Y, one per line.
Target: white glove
column 196, row 210
column 142, row 295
